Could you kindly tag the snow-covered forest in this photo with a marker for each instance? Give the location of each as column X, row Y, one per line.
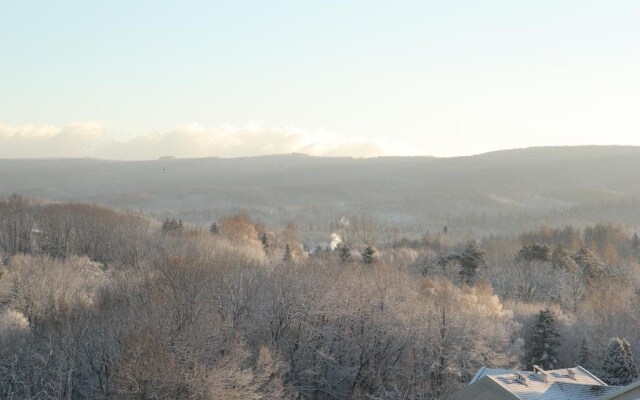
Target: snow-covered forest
column 100, row 303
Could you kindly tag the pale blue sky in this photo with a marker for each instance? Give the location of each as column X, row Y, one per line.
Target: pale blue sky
column 373, row 77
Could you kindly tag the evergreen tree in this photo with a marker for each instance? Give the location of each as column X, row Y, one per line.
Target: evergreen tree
column 264, row 239
column 583, row 357
column 635, row 244
column 344, row 254
column 369, row 255
column 618, row 366
column 535, row 252
column 214, row 228
column 589, row 263
column 562, row 259
column 471, row 258
column 166, row 225
column 444, row 261
column 543, row 348
column 171, row 225
column 287, row 254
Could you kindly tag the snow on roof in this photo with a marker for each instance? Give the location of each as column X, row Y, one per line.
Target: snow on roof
column 482, row 372
column 622, row 390
column 560, row 384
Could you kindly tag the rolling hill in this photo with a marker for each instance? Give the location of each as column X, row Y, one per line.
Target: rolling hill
column 499, row 191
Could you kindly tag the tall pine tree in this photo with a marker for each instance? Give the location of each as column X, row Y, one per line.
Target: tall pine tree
column 535, row 251
column 344, row 254
column 543, row 347
column 288, row 256
column 471, row 258
column 172, row 225
column 369, row 255
column 635, row 244
column 589, row 263
column 583, row 357
column 618, row 366
column 264, row 239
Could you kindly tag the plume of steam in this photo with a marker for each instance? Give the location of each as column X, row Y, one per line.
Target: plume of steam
column 335, row 241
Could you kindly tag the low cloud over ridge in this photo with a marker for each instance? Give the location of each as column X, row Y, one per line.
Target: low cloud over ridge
column 74, row 140
column 90, row 139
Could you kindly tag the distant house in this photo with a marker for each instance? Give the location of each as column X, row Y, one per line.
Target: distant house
column 560, row 384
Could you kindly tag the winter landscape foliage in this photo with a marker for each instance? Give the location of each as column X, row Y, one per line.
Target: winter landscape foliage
column 103, row 303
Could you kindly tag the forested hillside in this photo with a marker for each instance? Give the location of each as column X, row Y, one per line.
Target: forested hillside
column 100, row 303
column 500, row 192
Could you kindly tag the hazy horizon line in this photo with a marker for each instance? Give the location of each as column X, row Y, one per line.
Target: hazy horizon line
column 171, row 157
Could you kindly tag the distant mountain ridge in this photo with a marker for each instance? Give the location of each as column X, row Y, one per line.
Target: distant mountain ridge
column 533, row 184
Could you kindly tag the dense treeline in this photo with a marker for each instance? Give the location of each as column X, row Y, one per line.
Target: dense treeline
column 99, row 303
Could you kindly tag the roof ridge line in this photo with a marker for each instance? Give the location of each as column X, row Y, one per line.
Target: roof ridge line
column 478, row 374
column 591, row 375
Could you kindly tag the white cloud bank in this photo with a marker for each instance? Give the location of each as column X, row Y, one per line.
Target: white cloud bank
column 74, row 140
column 90, row 139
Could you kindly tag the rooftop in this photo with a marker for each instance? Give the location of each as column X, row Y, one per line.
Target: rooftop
column 560, row 384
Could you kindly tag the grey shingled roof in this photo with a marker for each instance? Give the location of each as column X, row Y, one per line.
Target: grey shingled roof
column 622, row 391
column 560, row 385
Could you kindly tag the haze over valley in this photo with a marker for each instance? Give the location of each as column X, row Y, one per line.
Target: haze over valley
column 499, row 192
